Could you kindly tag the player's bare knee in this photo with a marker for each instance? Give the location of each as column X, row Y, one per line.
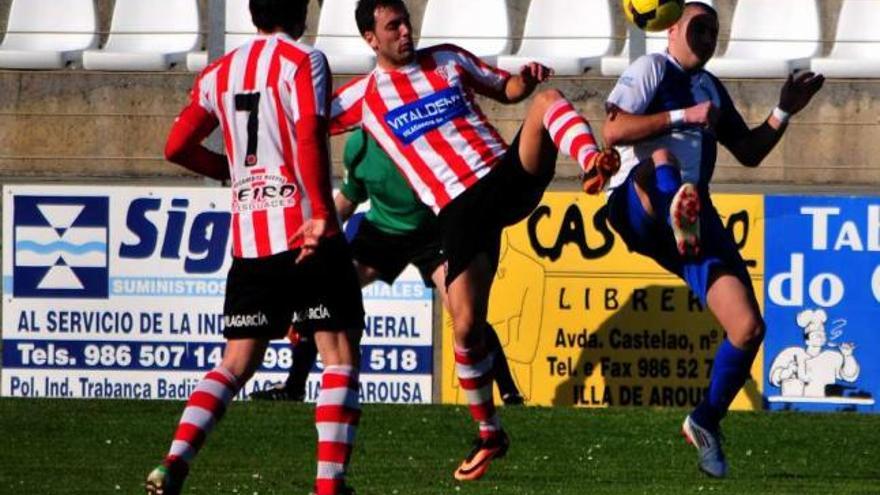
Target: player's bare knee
column 749, row 333
column 235, row 363
column 466, row 334
column 544, row 99
column 663, row 156
column 463, row 324
column 241, row 370
column 756, row 332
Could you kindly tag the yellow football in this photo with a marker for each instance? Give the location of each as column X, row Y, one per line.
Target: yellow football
column 653, row 15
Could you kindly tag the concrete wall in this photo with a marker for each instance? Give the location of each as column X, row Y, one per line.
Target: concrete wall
column 73, row 124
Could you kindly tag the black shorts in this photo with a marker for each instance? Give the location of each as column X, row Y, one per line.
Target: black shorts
column 264, row 296
column 472, row 223
column 389, row 254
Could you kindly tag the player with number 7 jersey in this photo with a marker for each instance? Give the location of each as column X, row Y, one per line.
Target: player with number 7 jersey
column 291, row 264
column 259, row 94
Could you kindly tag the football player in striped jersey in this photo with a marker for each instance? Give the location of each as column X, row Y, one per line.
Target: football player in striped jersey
column 420, row 106
column 290, row 261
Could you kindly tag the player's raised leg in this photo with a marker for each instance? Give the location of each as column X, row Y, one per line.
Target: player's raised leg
column 203, row 411
column 552, row 124
column 666, row 197
column 678, row 201
column 684, row 218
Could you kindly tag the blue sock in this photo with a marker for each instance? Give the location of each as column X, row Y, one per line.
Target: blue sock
column 729, row 373
column 667, row 180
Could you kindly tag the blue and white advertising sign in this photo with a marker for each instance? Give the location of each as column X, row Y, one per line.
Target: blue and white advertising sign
column 822, row 350
column 117, row 292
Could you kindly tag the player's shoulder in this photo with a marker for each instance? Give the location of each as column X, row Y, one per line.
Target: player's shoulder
column 442, row 50
column 651, row 66
column 355, row 85
column 650, row 63
column 442, row 47
column 355, row 142
column 296, row 51
column 712, row 77
column 718, row 87
column 215, row 65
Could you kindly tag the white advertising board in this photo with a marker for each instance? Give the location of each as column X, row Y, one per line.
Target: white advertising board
column 118, row 292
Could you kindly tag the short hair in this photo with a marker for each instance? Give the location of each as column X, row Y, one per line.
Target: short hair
column 703, row 5
column 365, row 13
column 289, row 15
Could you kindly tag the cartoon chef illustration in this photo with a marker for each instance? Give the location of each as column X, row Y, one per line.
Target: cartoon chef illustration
column 806, row 371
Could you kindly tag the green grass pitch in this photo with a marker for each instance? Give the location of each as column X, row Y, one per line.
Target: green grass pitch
column 107, row 447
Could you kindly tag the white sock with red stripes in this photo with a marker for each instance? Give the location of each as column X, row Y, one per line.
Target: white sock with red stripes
column 570, row 132
column 474, row 371
column 203, row 410
column 336, row 417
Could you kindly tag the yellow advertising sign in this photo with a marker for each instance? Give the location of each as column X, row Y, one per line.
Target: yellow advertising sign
column 585, row 322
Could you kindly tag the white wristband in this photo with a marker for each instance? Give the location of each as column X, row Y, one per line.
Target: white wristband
column 781, row 115
column 676, row 117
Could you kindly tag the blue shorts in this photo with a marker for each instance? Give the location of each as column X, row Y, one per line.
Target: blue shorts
column 654, row 239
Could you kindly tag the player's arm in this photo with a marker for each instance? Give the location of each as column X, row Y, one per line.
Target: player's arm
column 493, row 82
column 311, row 89
column 751, row 146
column 184, row 145
column 353, row 191
column 521, row 86
column 314, row 155
column 346, row 106
column 345, row 207
column 622, row 127
column 628, row 119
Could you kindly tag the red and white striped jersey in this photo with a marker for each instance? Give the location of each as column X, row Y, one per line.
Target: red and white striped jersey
column 425, row 117
column 260, row 94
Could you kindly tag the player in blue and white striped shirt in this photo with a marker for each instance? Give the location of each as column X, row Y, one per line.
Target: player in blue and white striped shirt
column 666, row 115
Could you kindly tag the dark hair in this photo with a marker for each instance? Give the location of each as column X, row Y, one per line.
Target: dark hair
column 289, row 15
column 365, row 13
column 705, row 6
